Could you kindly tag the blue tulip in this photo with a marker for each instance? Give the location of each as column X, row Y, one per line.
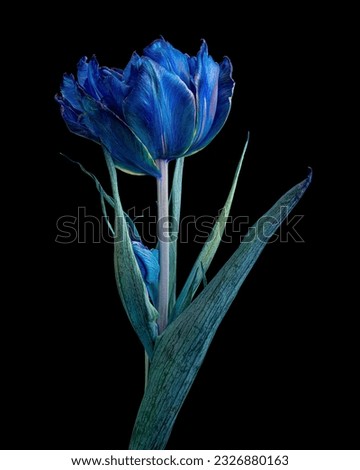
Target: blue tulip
column 148, row 261
column 164, row 104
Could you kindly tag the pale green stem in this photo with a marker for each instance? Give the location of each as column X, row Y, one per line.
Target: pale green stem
column 164, row 243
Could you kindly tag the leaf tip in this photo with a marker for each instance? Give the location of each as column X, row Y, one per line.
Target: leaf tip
column 310, row 170
column 308, row 179
column 303, row 185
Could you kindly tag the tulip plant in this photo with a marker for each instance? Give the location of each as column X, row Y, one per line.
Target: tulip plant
column 164, row 106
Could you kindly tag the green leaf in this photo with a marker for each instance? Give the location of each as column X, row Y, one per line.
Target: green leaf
column 209, row 249
column 131, row 286
column 130, row 283
column 175, row 208
column 134, row 234
column 103, row 194
column 180, row 350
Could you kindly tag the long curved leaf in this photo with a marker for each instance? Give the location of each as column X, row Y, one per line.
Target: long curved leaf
column 175, row 209
column 209, row 249
column 132, row 289
column 103, row 194
column 180, row 350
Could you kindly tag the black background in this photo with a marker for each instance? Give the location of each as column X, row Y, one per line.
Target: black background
column 279, row 371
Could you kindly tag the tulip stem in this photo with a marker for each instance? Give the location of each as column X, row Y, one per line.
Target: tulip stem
column 164, row 243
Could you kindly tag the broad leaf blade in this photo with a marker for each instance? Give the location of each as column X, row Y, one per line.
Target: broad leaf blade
column 131, row 286
column 180, row 350
column 209, row 249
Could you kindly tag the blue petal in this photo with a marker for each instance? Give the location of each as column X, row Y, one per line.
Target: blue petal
column 102, row 83
column 156, row 253
column 192, row 63
column 206, row 80
column 225, row 93
column 70, row 91
column 171, row 59
column 92, row 83
column 71, row 108
column 88, row 76
column 126, row 149
column 112, row 90
column 131, row 71
column 161, row 111
column 148, row 262
column 119, row 71
column 72, row 120
column 82, row 71
column 149, row 266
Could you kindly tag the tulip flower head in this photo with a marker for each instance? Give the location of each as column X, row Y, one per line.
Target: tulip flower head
column 163, row 105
